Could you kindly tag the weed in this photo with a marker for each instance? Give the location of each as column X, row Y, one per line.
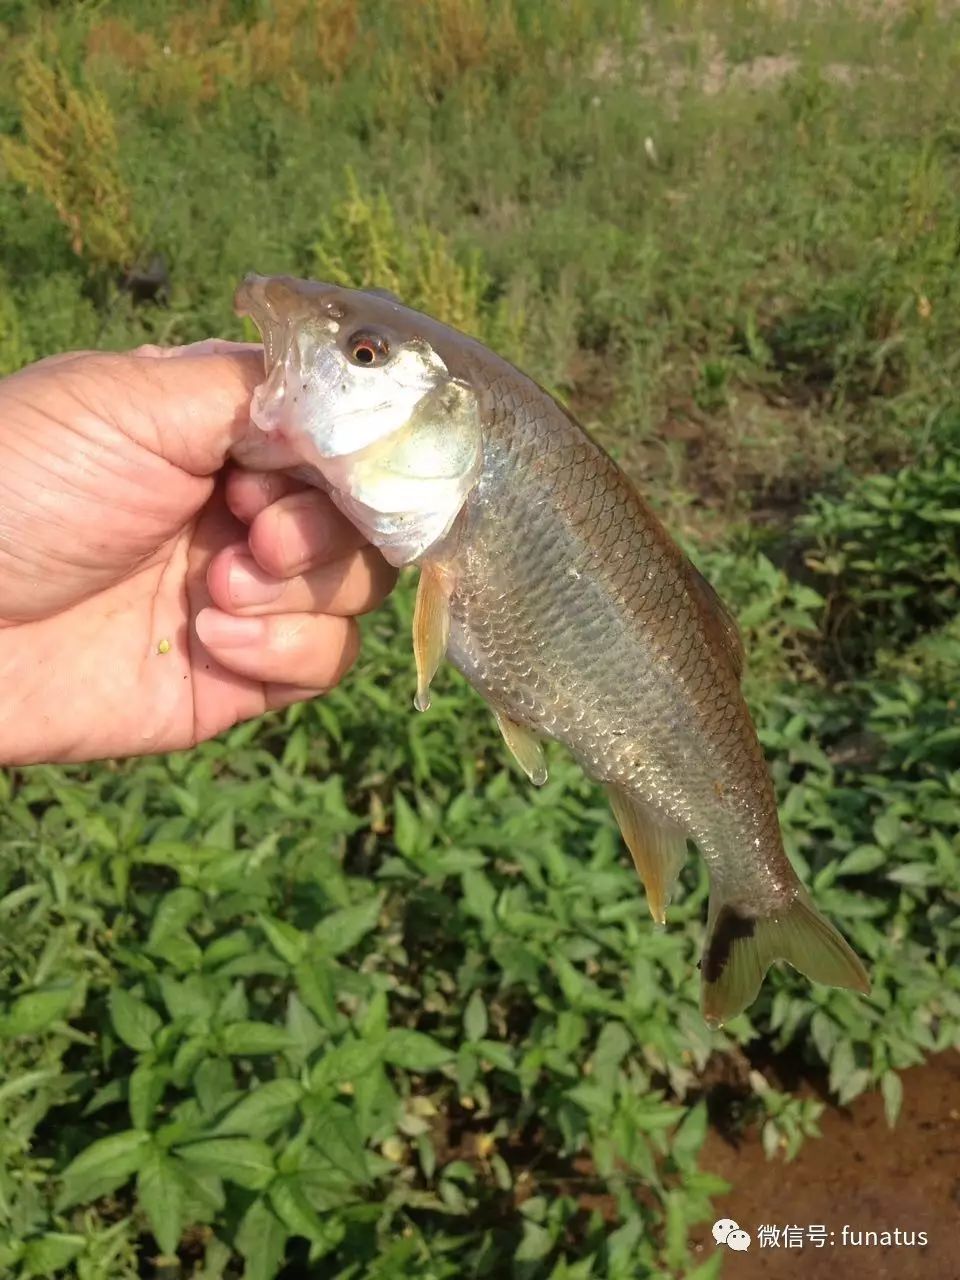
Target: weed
column 337, row 992
column 889, row 552
column 68, row 155
column 361, row 245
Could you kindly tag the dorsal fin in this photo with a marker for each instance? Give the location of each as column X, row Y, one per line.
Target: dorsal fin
column 724, row 624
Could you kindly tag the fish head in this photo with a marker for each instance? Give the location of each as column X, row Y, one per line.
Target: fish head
column 339, row 368
column 356, row 387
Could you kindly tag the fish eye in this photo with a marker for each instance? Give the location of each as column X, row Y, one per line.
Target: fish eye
column 368, row 349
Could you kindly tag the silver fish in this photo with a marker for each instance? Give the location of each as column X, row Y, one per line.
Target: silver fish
column 547, row 580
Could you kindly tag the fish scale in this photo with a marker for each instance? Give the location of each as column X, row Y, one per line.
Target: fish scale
column 654, row 686
column 549, row 582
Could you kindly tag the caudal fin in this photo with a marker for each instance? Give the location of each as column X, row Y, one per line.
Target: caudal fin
column 741, row 947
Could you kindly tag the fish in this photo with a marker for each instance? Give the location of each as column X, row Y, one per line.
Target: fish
column 547, row 580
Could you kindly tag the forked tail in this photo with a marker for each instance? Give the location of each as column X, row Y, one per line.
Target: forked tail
column 741, row 947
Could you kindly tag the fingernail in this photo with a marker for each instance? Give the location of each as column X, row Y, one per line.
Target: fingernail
column 248, row 584
column 221, row 631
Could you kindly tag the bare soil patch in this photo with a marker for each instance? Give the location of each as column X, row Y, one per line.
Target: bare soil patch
column 860, row 1174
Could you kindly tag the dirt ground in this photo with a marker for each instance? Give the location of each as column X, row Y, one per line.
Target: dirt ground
column 861, row 1175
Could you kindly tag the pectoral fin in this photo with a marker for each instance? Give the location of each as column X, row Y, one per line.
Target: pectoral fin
column 525, row 749
column 431, row 629
column 659, row 848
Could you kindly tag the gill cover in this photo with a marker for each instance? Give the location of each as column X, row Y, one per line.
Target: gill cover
column 397, row 443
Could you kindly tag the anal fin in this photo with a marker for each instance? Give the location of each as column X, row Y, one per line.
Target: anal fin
column 525, row 748
column 431, row 629
column 658, row 847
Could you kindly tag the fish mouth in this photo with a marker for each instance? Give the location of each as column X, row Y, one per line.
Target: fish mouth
column 248, row 294
column 251, row 299
column 283, row 298
column 276, row 303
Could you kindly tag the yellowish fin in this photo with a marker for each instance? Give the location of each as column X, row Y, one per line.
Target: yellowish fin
column 431, row 629
column 658, row 847
column 741, row 947
column 525, row 749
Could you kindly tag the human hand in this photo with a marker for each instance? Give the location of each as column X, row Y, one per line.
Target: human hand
column 121, row 534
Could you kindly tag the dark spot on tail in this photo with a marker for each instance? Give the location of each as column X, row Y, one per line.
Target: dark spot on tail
column 729, row 928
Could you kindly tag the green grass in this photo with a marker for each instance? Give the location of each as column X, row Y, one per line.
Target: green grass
column 339, row 987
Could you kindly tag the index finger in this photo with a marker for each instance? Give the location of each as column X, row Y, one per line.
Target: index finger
column 299, row 532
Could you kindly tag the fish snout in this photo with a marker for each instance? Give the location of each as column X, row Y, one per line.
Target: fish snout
column 279, row 300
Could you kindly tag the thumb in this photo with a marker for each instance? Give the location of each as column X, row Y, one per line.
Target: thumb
column 186, row 405
column 193, row 401
column 189, row 406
